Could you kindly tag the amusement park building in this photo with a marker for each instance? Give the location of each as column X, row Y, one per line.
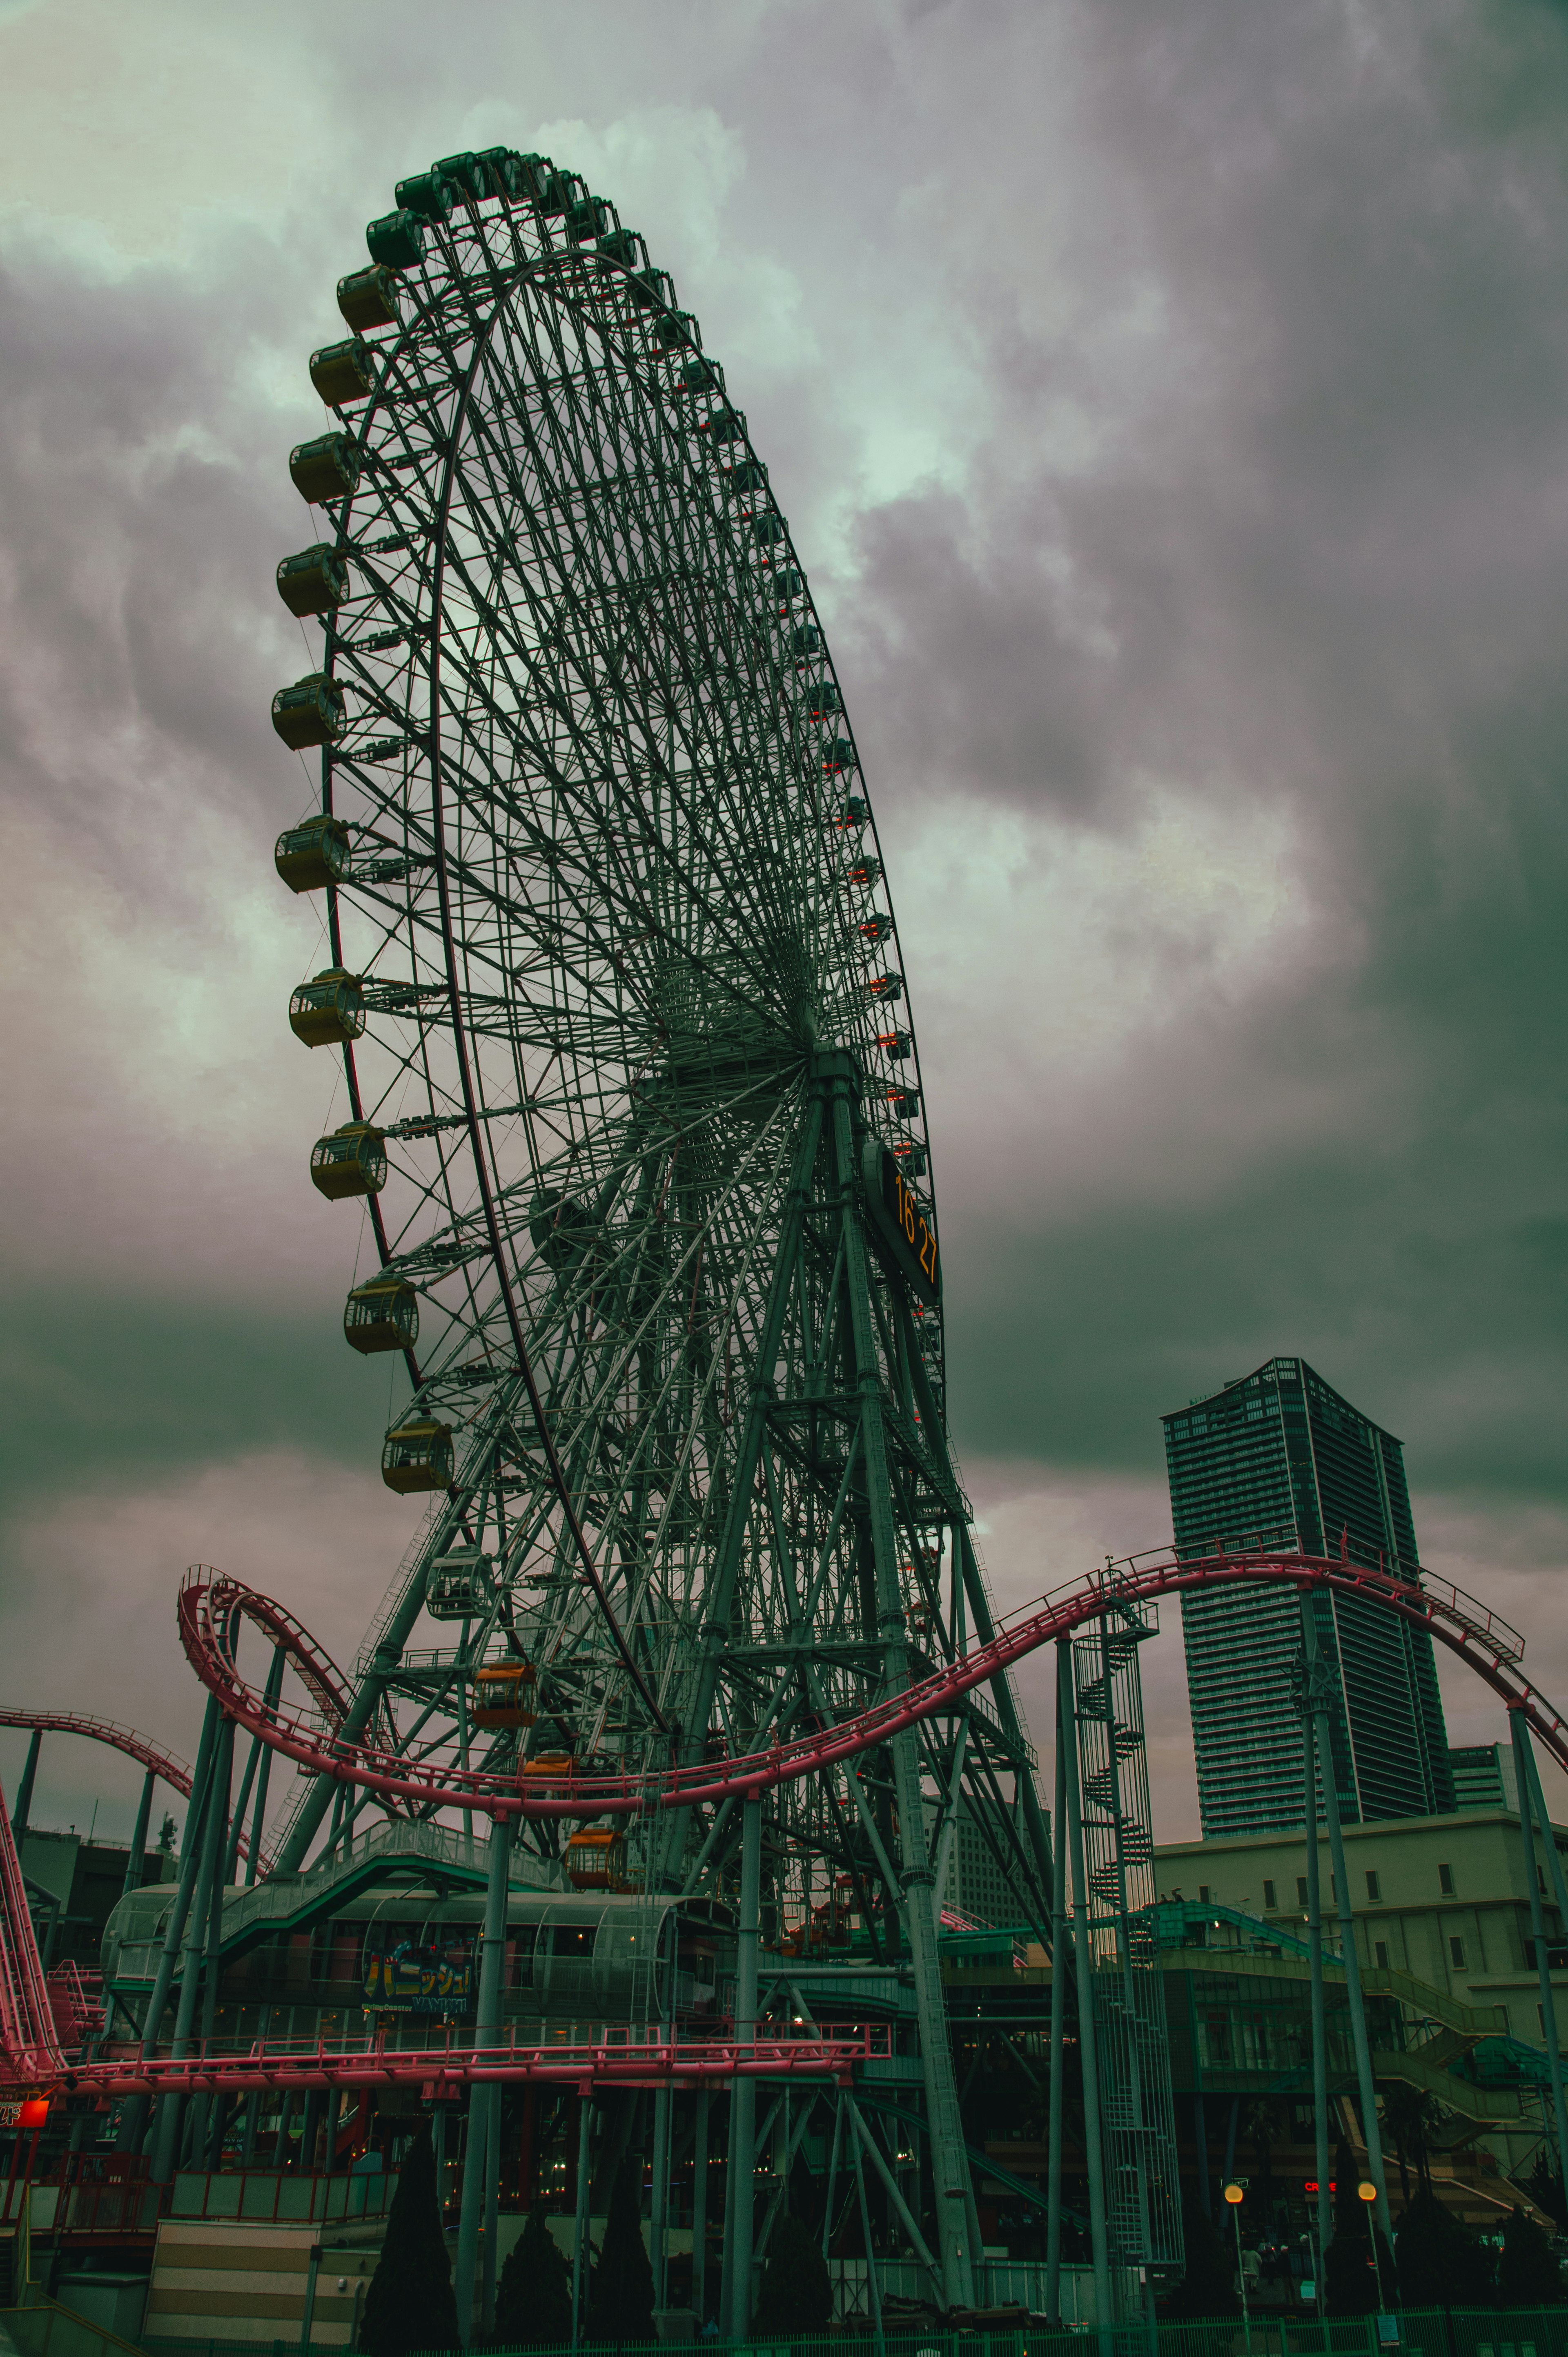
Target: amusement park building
column 1280, row 1452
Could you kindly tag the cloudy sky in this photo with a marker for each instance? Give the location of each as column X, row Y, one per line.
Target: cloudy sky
column 1170, row 398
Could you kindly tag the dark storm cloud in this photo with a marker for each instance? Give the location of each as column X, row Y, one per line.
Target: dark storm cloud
column 1247, row 478
column 1322, row 560
column 156, row 1388
column 140, row 646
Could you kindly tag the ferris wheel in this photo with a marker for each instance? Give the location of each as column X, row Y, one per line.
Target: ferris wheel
column 629, row 1090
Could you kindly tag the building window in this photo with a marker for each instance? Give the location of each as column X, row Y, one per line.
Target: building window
column 1446, row 1880
column 1374, row 1889
column 1203, row 1893
column 1381, row 1955
column 1456, row 1950
column 1301, row 1890
column 1270, row 1902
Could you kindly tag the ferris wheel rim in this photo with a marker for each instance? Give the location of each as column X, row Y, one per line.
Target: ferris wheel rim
column 497, row 320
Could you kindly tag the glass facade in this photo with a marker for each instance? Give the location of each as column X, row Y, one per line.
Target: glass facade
column 1279, row 1455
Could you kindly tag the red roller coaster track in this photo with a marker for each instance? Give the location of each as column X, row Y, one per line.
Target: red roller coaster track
column 212, row 1605
column 174, row 1773
column 141, row 1748
column 210, row 1602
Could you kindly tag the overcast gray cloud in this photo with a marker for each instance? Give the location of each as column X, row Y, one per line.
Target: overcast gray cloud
column 1170, row 401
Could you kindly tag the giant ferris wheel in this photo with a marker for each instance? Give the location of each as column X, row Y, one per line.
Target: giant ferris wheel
column 626, row 1083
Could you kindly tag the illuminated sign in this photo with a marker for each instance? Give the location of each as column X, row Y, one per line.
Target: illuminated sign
column 410, row 1978
column 904, row 1221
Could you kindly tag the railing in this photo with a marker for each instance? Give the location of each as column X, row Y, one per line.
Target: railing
column 618, row 2057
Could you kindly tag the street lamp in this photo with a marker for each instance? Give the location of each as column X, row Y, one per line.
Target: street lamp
column 1367, row 2192
column 1234, row 2195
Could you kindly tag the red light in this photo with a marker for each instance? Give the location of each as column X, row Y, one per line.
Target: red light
column 34, row 2112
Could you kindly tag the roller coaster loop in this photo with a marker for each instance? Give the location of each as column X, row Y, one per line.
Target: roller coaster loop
column 211, row 1603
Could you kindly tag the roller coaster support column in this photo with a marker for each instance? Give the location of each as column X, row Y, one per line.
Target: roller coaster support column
column 207, row 1850
column 133, row 2122
column 1059, row 2023
column 736, row 2308
column 1531, row 1804
column 135, row 1865
column 25, row 1789
column 957, row 2219
column 275, row 1689
column 477, row 2191
column 1317, row 1690
column 1309, row 1729
column 580, row 2237
column 1083, row 1977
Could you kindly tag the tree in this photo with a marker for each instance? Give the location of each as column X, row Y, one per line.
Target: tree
column 1528, row 2274
column 533, row 2299
column 1208, row 2286
column 797, row 2294
column 410, row 2303
column 1545, row 2188
column 621, row 2307
column 1440, row 2263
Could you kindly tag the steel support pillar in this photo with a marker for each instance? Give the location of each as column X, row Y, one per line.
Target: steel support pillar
column 1531, row 1808
column 23, row 1809
column 1058, row 2024
column 1310, row 1772
column 700, row 2212
column 1318, row 1688
column 743, row 2092
column 476, row 2169
column 204, row 2106
column 203, row 1845
column 134, row 2120
column 1088, row 2063
column 957, row 2219
column 135, row 1865
column 259, row 1814
column 580, row 2239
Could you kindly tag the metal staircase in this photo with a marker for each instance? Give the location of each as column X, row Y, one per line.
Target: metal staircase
column 1142, row 2200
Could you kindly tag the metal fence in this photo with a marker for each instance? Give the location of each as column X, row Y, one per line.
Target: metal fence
column 1424, row 2332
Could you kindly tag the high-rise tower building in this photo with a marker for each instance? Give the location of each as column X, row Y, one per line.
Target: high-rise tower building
column 1280, row 1454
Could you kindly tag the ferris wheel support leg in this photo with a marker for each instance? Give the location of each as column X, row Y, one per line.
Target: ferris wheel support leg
column 957, row 2219
column 743, row 2091
column 720, row 1595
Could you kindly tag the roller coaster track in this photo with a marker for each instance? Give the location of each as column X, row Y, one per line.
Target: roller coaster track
column 141, row 1748
column 211, row 1602
column 611, row 2062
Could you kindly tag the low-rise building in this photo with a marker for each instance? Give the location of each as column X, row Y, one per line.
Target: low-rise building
column 1444, row 1899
